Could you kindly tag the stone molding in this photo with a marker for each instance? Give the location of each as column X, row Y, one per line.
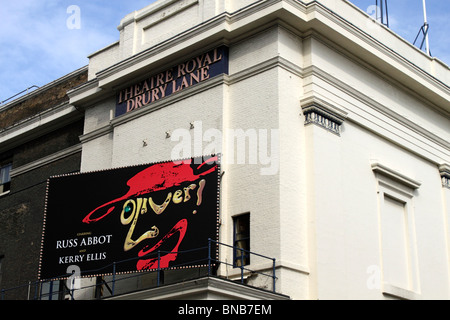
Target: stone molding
column 323, row 117
column 444, row 171
column 46, row 160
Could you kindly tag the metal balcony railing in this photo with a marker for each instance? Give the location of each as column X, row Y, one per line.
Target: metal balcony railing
column 51, row 289
column 27, row 90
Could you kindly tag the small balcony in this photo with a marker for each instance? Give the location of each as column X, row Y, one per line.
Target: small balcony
column 203, row 279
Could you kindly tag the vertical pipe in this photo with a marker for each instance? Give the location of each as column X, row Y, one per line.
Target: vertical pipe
column 50, row 296
column 242, row 265
column 273, row 273
column 387, row 15
column 29, row 288
column 72, row 287
column 382, row 11
column 36, row 286
column 376, row 10
column 427, row 44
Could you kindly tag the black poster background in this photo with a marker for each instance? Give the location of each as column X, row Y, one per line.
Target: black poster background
column 71, row 198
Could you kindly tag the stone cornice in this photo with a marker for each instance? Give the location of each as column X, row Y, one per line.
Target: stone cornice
column 413, row 129
column 373, row 48
column 394, row 175
column 217, row 287
column 323, row 117
column 208, row 84
column 38, row 125
column 227, row 27
column 444, row 171
column 46, row 160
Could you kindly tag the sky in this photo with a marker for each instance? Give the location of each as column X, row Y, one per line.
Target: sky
column 43, row 40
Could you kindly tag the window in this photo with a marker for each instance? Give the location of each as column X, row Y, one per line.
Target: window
column 395, row 241
column 241, row 254
column 5, row 178
column 399, row 263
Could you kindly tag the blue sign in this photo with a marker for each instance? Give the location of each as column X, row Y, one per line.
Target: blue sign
column 173, row 80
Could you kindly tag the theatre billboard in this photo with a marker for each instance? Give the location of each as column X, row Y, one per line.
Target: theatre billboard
column 131, row 219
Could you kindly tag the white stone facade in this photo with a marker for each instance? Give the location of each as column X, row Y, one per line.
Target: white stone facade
column 351, row 193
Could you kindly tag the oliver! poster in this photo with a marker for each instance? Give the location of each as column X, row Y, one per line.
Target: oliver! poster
column 124, row 216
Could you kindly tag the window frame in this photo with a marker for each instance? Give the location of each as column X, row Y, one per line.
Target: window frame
column 5, row 187
column 238, row 257
column 395, row 187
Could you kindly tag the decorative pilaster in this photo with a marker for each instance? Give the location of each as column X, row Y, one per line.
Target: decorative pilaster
column 323, row 117
column 444, row 171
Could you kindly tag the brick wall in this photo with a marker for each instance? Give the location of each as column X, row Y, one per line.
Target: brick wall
column 22, row 209
column 21, row 213
column 51, row 97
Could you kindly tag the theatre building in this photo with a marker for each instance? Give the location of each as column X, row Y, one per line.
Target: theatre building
column 253, row 149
